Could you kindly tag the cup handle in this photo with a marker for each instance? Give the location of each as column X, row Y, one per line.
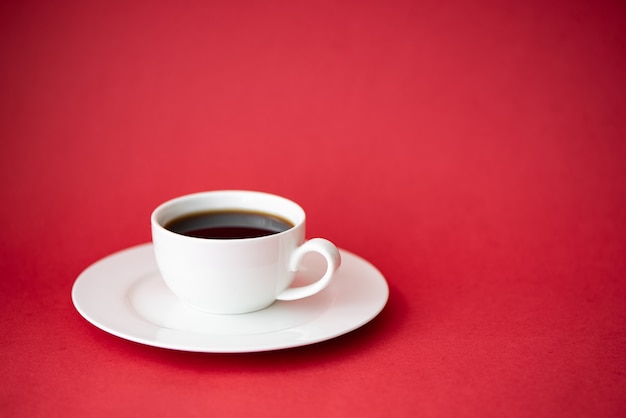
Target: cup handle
column 333, row 259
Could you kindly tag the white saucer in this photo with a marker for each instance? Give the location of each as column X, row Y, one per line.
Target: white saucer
column 123, row 294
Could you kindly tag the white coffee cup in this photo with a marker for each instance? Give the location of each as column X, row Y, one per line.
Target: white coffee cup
column 239, row 275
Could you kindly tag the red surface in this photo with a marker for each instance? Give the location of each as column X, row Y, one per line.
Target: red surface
column 475, row 152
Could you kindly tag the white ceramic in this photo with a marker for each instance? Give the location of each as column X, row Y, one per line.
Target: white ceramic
column 124, row 294
column 237, row 275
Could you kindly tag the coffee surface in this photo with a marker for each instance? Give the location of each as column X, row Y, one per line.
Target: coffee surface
column 228, row 224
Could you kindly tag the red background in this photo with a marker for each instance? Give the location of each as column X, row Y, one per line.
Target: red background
column 475, row 152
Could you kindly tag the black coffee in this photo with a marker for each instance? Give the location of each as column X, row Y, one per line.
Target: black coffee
column 229, row 224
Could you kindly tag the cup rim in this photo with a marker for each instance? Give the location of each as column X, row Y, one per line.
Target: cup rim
column 298, row 211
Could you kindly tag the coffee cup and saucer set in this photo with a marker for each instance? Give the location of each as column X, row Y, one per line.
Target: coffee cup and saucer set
column 230, row 271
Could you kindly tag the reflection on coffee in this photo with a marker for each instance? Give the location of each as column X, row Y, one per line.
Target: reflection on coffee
column 228, row 224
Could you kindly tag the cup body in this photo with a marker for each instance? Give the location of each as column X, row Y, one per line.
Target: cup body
column 227, row 276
